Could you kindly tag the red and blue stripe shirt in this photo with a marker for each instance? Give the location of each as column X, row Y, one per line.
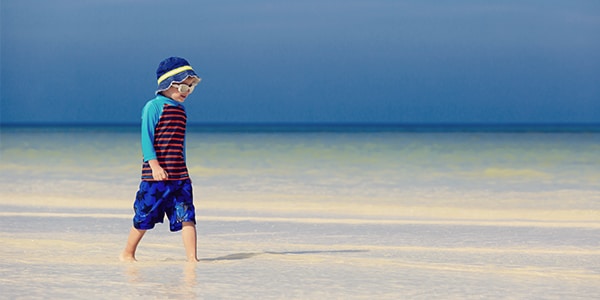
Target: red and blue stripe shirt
column 163, row 137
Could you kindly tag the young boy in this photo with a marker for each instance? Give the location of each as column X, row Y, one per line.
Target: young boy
column 166, row 187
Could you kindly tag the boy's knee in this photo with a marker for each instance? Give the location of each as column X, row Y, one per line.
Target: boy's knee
column 189, row 223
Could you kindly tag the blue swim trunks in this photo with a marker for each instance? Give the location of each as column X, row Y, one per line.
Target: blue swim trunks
column 157, row 198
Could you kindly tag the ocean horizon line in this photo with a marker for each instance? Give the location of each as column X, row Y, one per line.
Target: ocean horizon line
column 333, row 126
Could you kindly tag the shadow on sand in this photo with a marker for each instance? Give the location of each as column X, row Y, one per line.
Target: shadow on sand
column 239, row 256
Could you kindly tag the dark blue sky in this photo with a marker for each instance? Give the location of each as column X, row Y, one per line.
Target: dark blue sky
column 305, row 61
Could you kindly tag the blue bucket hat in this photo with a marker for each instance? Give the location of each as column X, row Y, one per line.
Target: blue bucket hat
column 173, row 70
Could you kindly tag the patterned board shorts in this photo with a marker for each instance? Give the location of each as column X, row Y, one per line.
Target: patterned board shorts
column 157, row 198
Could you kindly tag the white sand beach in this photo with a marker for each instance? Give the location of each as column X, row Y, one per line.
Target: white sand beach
column 309, row 216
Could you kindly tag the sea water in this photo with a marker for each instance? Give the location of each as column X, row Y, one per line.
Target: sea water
column 309, row 212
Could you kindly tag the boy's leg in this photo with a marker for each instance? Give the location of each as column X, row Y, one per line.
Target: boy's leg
column 188, row 233
column 148, row 211
column 135, row 236
column 182, row 216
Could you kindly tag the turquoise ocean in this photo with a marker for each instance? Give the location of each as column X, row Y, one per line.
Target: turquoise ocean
column 363, row 211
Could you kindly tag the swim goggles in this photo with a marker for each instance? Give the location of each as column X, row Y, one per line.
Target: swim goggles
column 184, row 88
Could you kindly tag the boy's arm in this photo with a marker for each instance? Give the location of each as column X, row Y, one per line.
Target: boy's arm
column 150, row 116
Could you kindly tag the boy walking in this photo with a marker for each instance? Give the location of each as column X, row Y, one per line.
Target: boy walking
column 166, row 188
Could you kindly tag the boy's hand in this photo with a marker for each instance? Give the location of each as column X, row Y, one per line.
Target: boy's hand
column 158, row 173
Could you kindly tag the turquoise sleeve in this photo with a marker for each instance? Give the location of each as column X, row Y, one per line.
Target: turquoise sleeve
column 150, row 116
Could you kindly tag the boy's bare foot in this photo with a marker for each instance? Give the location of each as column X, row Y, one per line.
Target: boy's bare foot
column 128, row 258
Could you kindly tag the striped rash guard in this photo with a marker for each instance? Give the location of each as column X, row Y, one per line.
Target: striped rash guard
column 163, row 137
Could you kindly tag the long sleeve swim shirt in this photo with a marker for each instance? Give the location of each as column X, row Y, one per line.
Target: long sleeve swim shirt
column 163, row 137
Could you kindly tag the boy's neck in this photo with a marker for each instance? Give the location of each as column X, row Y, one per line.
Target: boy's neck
column 170, row 99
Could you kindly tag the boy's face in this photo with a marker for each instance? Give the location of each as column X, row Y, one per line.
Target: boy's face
column 175, row 94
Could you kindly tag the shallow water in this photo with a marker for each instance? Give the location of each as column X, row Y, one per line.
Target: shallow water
column 309, row 215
